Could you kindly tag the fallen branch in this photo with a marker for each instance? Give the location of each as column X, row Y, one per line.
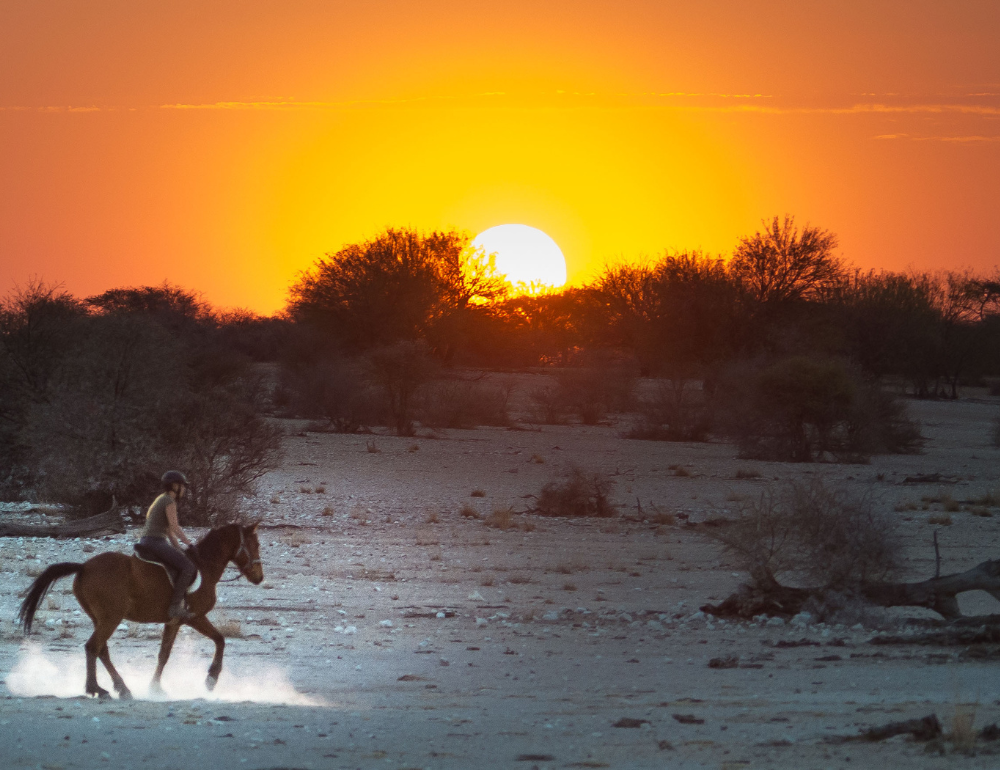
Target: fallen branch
column 937, row 594
column 106, row 523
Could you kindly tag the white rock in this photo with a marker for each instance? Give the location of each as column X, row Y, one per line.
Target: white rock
column 351, row 630
column 440, row 615
column 776, row 622
column 481, row 621
column 802, row 619
column 476, row 596
column 385, row 623
column 551, row 615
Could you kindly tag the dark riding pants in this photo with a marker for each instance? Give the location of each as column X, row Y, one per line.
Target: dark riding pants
column 161, row 549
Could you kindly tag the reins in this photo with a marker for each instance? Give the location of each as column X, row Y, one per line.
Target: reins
column 250, row 562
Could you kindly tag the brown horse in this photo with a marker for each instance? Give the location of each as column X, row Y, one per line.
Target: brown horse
column 112, row 587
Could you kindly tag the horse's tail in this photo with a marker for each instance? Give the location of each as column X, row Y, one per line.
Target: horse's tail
column 41, row 587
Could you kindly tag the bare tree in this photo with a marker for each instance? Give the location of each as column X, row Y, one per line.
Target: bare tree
column 780, row 264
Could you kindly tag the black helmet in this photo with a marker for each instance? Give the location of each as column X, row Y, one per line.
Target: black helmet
column 174, row 477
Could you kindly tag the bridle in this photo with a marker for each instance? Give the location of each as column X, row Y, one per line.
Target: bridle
column 250, row 562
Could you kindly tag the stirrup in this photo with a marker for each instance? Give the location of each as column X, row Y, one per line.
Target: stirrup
column 178, row 611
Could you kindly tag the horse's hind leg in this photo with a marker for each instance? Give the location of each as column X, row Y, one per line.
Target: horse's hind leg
column 166, row 645
column 120, row 687
column 96, row 647
column 202, row 625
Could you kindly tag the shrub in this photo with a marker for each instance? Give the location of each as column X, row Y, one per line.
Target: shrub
column 803, row 409
column 672, row 413
column 827, row 537
column 581, row 494
column 594, row 391
column 397, row 372
column 332, row 388
column 465, row 404
column 226, row 446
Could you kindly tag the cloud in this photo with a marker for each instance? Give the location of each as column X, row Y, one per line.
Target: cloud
column 966, row 139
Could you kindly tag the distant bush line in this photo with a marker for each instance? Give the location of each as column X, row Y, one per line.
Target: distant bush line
column 780, row 347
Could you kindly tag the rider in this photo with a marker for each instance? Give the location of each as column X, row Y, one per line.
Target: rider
column 160, row 537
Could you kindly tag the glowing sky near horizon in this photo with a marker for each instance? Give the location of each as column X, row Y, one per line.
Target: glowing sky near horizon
column 224, row 146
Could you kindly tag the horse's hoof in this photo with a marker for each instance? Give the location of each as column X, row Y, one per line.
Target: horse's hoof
column 211, row 682
column 155, row 688
column 103, row 695
column 125, row 695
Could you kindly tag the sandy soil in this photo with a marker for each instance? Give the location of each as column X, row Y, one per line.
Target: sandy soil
column 393, row 632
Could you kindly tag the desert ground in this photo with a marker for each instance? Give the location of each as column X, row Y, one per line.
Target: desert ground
column 393, row 631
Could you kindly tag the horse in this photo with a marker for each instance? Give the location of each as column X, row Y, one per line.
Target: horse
column 112, row 587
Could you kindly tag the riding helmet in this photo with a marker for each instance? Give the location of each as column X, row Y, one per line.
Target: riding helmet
column 174, row 477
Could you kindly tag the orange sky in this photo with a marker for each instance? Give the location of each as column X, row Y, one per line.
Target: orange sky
column 225, row 146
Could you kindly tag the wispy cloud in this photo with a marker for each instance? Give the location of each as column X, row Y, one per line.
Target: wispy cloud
column 707, row 102
column 966, row 139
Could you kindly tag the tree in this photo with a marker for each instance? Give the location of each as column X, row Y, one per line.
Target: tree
column 780, row 264
column 400, row 285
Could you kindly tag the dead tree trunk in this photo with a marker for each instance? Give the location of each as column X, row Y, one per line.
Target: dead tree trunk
column 102, row 524
column 938, row 594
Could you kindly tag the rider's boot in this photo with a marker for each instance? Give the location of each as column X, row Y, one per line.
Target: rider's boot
column 178, row 609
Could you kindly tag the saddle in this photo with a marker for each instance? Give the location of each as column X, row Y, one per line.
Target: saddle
column 144, row 554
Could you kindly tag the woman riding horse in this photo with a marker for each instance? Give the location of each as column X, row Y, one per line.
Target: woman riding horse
column 160, row 538
column 112, row 587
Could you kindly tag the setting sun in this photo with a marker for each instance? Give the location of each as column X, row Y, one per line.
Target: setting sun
column 525, row 255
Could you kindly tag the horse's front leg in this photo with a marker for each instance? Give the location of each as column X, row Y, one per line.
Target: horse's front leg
column 166, row 645
column 202, row 625
column 123, row 692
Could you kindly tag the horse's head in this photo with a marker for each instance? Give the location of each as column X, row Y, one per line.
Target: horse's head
column 247, row 556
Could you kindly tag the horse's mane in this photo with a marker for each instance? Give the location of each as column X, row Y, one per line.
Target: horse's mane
column 212, row 541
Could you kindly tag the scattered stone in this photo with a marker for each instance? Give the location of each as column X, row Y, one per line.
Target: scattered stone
column 630, row 722
column 730, row 661
column 688, row 719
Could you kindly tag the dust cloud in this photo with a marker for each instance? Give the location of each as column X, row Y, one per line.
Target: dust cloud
column 62, row 674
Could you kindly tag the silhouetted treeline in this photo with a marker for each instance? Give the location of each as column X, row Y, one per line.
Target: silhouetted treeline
column 782, row 292
column 781, row 347
column 99, row 396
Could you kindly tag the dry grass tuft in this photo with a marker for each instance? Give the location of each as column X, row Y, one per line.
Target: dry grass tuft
column 320, row 490
column 991, row 499
column 478, row 493
column 372, row 448
column 747, row 473
column 963, row 734
column 580, row 494
column 979, row 510
column 230, row 629
column 414, row 448
column 427, row 538
column 487, row 580
column 275, row 499
column 296, row 539
column 569, row 587
column 538, row 459
column 942, row 519
column 305, row 490
column 432, row 518
column 520, row 579
column 328, row 511
column 468, row 512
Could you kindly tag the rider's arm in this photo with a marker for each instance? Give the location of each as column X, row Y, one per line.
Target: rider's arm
column 174, row 531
